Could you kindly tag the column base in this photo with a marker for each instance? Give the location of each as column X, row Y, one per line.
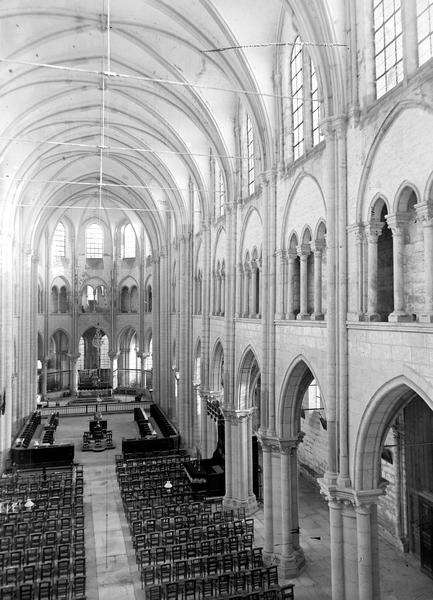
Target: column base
column 426, row 318
column 250, row 504
column 290, row 316
column 291, row 566
column 303, row 317
column 317, row 317
column 399, row 316
column 372, row 317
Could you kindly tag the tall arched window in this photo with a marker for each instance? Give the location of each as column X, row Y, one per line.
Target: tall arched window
column 128, row 245
column 59, row 241
column 316, row 135
column 388, row 44
column 94, row 241
column 424, row 13
column 296, row 79
column 250, row 157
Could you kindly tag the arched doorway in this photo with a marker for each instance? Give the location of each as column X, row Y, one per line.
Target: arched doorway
column 393, row 451
column 94, row 370
column 129, row 362
column 58, row 374
column 301, row 415
column 241, row 424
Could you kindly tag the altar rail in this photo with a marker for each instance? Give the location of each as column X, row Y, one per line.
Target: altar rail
column 90, row 408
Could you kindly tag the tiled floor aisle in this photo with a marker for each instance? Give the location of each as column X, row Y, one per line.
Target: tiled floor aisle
column 112, row 573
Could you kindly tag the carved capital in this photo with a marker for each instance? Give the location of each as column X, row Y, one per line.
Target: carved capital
column 303, row 249
column 398, row 222
column 424, row 212
column 358, row 232
column 373, row 231
column 291, row 445
column 318, row 247
column 267, row 443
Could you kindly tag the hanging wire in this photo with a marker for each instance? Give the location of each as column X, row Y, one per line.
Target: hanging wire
column 104, row 184
column 275, row 44
column 117, row 148
column 158, row 80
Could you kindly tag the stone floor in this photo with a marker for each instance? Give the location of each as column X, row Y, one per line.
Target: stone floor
column 112, row 572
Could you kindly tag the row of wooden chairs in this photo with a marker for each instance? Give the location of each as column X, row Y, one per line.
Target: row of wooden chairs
column 60, row 589
column 224, row 583
column 189, row 590
column 199, row 567
column 211, row 508
column 41, row 524
column 184, row 536
column 60, row 569
column 136, row 500
column 49, row 538
column 202, row 522
column 159, row 459
column 217, row 546
column 35, row 555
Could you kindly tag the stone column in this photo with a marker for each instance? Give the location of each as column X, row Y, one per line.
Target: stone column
column 292, row 555
column 268, row 510
column 229, row 458
column 373, row 231
column 303, row 253
column 350, row 554
column 280, row 308
column 113, row 356
column 424, row 212
column 240, row 460
column 185, row 350
column 218, row 293
column 246, row 291
column 337, row 548
column 254, row 275
column 73, row 360
column 290, row 308
column 203, row 424
column 318, row 252
column 44, row 377
column 223, row 293
column 365, row 570
column 354, row 545
column 359, row 304
column 398, row 224
column 156, row 334
column 239, row 305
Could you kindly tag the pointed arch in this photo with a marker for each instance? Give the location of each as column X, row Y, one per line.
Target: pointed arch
column 248, row 377
column 299, row 376
column 377, row 418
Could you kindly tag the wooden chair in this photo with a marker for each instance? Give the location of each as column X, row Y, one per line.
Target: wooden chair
column 26, row 591
column 62, row 589
column 190, row 589
column 45, row 590
column 79, row 588
column 287, row 592
column 154, row 593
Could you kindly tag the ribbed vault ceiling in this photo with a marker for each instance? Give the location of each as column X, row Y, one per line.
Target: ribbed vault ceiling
column 128, row 81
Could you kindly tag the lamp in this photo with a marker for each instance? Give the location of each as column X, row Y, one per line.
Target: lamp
column 29, row 504
column 168, row 486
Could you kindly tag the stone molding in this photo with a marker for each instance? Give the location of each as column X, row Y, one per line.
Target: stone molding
column 344, row 497
column 236, row 416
